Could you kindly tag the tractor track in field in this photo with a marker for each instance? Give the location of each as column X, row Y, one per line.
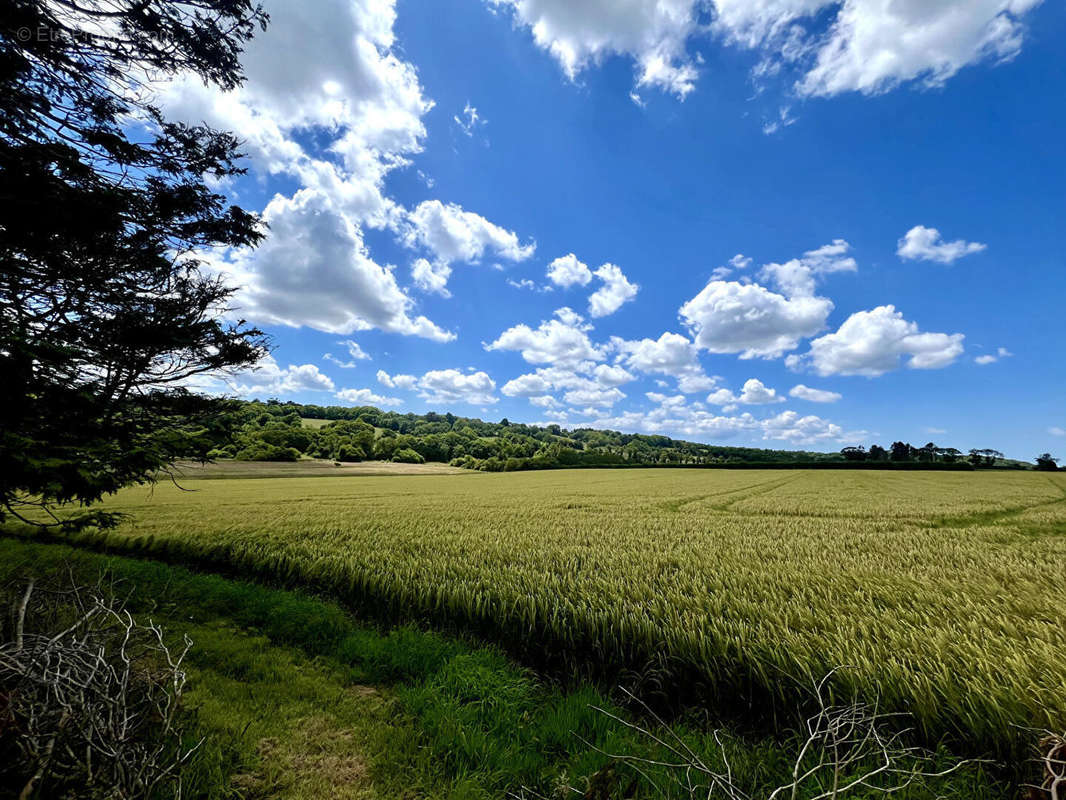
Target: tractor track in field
column 771, row 485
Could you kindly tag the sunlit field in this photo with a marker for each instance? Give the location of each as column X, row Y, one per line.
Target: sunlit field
column 941, row 592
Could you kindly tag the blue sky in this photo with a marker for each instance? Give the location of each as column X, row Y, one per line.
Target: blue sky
column 789, row 223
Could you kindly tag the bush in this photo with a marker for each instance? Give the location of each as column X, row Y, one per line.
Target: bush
column 407, row 456
column 261, row 451
column 349, row 452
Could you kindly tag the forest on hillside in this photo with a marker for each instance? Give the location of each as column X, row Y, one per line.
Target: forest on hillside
column 286, row 431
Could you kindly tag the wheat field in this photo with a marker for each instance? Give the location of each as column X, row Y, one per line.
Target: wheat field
column 943, row 593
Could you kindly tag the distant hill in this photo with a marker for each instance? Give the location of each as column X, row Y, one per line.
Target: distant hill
column 272, row 430
column 286, row 431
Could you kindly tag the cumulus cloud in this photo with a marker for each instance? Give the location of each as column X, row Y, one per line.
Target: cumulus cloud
column 829, row 46
column 365, row 397
column 453, row 234
column 586, row 384
column 445, row 386
column 568, row 270
column 925, row 244
column 750, row 319
column 563, row 341
column 671, row 354
column 797, row 277
column 342, row 82
column 674, row 415
column 266, row 379
column 453, row 386
column 314, row 270
column 340, row 78
column 871, row 46
column 873, row 342
column 530, row 385
column 594, row 397
column 652, row 32
column 590, row 385
column 989, row 358
column 731, row 317
column 874, row 46
column 607, row 375
column 813, row 395
column 615, row 292
column 754, row 393
column 405, row 382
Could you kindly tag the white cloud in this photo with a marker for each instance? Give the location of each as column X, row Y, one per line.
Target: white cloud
column 563, row 342
column 266, row 379
column 406, row 382
column 730, row 317
column 616, row 291
column 989, row 358
column 925, row 244
column 314, row 270
column 569, row 271
column 797, row 277
column 674, row 416
column 809, row 429
column 872, row 46
column 365, row 397
column 831, row 46
column 570, row 317
column 469, row 120
column 588, row 384
column 526, row 283
column 529, row 385
column 652, row 32
column 341, row 78
column 736, row 263
column 1054, row 430
column 671, row 354
column 445, row 386
column 594, row 397
column 355, row 353
column 453, row 386
column 607, row 375
column 813, row 395
column 431, row 277
column 754, row 393
column 454, row 234
column 872, row 343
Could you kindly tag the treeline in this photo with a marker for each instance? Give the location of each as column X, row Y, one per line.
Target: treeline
column 276, row 431
column 932, row 455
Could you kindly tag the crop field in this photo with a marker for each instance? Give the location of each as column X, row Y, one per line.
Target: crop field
column 942, row 593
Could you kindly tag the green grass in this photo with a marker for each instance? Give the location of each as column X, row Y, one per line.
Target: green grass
column 299, row 700
column 941, row 591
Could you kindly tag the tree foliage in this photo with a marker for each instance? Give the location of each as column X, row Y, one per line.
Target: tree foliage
column 106, row 311
column 252, row 431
